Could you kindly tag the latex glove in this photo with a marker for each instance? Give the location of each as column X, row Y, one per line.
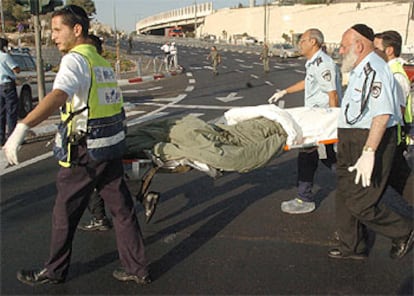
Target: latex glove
column 276, row 96
column 14, row 142
column 364, row 167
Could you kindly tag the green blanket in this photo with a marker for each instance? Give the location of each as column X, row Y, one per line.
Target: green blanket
column 242, row 147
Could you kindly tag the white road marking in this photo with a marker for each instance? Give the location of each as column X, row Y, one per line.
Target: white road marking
column 230, row 97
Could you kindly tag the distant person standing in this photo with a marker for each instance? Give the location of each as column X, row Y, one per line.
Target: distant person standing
column 215, row 58
column 264, row 56
column 173, row 56
column 8, row 93
column 166, row 49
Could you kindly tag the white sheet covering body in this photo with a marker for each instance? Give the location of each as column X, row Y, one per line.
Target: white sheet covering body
column 304, row 125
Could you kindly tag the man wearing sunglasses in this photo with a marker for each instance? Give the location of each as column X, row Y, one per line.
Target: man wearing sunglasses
column 89, row 146
column 367, row 133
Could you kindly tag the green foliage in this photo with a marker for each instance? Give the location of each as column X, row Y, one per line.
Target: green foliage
column 88, row 5
column 126, row 65
column 286, row 37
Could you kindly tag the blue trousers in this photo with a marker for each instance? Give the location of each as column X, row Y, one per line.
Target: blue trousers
column 8, row 110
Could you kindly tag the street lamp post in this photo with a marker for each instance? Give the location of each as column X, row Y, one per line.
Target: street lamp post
column 2, row 17
column 266, row 20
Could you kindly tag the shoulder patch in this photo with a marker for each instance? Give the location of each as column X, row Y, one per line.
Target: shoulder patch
column 326, row 75
column 318, row 61
column 376, row 89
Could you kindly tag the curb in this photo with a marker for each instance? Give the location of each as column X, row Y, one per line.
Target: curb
column 139, row 79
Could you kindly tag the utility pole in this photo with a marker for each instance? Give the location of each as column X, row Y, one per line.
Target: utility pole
column 410, row 17
column 118, row 62
column 265, row 22
column 38, row 44
column 195, row 18
column 2, row 17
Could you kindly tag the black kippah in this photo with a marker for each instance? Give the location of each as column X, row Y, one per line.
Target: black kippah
column 364, row 30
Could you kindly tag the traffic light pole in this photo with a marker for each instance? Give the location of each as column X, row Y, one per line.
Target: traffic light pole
column 39, row 59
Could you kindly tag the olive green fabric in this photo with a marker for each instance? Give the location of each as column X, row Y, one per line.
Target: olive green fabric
column 242, row 147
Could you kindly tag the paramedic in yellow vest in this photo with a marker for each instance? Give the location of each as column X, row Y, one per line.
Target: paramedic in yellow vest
column 388, row 45
column 89, row 145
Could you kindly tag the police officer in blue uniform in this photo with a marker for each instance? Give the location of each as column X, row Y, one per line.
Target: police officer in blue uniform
column 8, row 94
column 367, row 132
column 323, row 89
column 89, row 146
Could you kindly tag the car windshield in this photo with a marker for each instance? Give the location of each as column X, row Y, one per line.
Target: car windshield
column 287, row 46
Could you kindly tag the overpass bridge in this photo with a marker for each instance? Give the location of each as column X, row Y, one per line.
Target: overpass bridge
column 189, row 18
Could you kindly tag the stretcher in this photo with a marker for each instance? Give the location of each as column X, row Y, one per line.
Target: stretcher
column 304, row 128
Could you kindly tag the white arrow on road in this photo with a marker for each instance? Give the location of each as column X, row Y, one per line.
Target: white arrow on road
column 230, row 97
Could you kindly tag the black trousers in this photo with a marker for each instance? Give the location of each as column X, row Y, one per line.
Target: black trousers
column 96, row 206
column 401, row 177
column 307, row 164
column 357, row 207
column 8, row 110
column 75, row 185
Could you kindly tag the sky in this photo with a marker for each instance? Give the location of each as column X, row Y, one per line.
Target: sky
column 128, row 12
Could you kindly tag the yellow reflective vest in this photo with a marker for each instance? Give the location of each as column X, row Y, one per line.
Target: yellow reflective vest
column 397, row 67
column 105, row 135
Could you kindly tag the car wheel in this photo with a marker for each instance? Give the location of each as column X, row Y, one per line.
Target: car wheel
column 25, row 102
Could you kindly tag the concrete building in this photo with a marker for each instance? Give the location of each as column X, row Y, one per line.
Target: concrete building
column 290, row 20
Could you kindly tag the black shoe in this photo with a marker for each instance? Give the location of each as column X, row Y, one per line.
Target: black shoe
column 121, row 275
column 96, row 225
column 402, row 246
column 150, row 202
column 336, row 253
column 36, row 277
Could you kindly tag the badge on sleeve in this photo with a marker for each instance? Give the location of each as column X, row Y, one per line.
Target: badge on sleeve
column 376, row 89
column 327, row 75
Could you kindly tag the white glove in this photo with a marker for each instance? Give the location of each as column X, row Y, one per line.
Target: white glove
column 13, row 143
column 364, row 167
column 276, row 96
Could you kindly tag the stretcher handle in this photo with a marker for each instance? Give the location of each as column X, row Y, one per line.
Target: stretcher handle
column 308, row 145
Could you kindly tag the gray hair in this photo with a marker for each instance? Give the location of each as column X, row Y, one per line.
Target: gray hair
column 317, row 35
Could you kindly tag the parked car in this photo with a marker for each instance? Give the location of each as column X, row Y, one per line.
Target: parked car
column 284, row 50
column 250, row 40
column 26, row 81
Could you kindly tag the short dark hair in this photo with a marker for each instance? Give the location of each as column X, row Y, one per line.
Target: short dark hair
column 3, row 43
column 97, row 42
column 72, row 15
column 392, row 39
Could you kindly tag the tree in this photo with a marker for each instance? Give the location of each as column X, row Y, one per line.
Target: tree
column 88, row 5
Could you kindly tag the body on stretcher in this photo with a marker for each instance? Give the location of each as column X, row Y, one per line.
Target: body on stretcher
column 305, row 128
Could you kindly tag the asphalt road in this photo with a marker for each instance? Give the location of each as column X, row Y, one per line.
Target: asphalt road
column 209, row 236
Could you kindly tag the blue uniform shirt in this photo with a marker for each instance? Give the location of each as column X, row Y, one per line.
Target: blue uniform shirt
column 380, row 95
column 7, row 64
column 322, row 76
